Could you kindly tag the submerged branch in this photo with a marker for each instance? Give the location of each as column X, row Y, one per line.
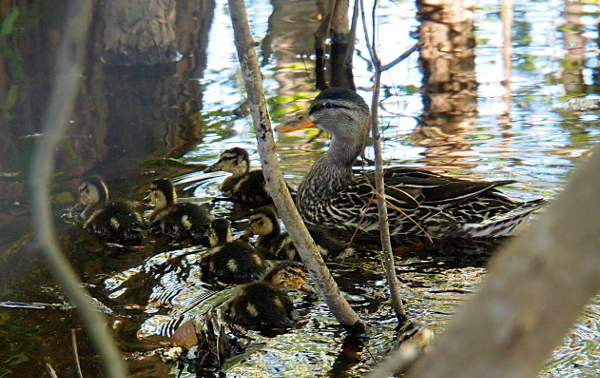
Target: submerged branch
column 62, row 99
column 277, row 188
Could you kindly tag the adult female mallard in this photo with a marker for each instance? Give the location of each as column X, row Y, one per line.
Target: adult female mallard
column 419, row 202
column 244, row 186
column 264, row 305
column 272, row 242
column 175, row 220
column 229, row 261
column 115, row 222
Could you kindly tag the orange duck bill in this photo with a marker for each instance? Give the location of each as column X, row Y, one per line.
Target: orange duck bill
column 298, row 123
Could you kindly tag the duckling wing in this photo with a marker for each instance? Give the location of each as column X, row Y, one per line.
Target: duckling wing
column 259, row 306
column 234, row 263
column 117, row 222
column 181, row 221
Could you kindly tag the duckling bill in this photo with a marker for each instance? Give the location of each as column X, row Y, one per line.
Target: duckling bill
column 114, row 222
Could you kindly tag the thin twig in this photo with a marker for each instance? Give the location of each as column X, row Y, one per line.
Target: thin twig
column 51, row 370
column 384, row 230
column 76, row 352
column 62, row 99
column 403, row 56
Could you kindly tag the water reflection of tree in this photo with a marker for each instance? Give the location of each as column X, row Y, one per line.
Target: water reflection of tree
column 449, row 86
column 571, row 73
column 292, row 25
column 140, row 95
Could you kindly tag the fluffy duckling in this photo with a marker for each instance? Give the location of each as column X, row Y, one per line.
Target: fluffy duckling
column 263, row 305
column 114, row 222
column 176, row 220
column 243, row 186
column 272, row 242
column 229, row 261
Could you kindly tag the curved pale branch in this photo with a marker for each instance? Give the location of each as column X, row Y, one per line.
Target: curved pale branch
column 62, row 99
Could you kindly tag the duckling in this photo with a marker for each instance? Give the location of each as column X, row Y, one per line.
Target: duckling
column 114, row 222
column 229, row 261
column 263, row 305
column 176, row 220
column 272, row 242
column 243, row 186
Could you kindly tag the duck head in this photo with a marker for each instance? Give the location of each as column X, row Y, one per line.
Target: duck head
column 219, row 232
column 235, row 160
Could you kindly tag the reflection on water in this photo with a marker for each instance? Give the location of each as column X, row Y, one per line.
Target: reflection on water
column 131, row 118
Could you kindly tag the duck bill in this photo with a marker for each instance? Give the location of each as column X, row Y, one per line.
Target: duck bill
column 247, row 234
column 214, row 168
column 298, row 123
column 307, row 289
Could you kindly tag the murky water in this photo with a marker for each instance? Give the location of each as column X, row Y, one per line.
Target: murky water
column 537, row 137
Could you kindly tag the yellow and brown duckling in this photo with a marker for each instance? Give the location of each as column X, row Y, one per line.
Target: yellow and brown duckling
column 178, row 221
column 114, row 222
column 264, row 305
column 272, row 242
column 243, row 186
column 230, row 261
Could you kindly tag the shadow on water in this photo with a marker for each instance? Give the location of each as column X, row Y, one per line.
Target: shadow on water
column 135, row 121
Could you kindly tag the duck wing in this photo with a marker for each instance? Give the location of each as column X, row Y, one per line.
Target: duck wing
column 428, row 188
column 413, row 196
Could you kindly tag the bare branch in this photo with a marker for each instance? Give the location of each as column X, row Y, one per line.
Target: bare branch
column 404, row 55
column 384, row 230
column 277, row 188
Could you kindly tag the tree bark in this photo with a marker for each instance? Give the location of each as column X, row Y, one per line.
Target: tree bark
column 139, row 32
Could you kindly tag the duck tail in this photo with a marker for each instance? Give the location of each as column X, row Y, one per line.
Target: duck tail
column 505, row 224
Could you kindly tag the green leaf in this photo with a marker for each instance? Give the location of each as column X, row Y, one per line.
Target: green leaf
column 16, row 359
column 8, row 23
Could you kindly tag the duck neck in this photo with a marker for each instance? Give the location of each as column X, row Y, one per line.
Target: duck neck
column 162, row 201
column 332, row 173
column 241, row 169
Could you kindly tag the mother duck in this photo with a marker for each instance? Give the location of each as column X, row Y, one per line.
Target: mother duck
column 421, row 203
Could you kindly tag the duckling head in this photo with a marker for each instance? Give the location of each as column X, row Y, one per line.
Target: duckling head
column 235, row 160
column 286, row 275
column 219, row 232
column 263, row 221
column 162, row 193
column 92, row 192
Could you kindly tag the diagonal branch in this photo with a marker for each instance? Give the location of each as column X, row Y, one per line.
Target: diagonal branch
column 277, row 188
